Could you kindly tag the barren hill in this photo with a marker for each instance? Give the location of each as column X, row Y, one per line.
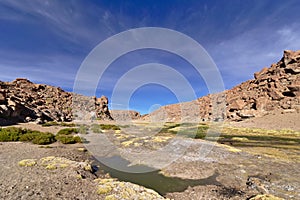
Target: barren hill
column 23, row 101
column 276, row 88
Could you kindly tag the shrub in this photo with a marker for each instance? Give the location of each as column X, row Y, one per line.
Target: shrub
column 201, row 132
column 67, row 131
column 26, row 135
column 109, row 127
column 66, row 136
column 10, row 134
column 37, row 137
column 54, row 123
column 44, row 138
column 68, row 139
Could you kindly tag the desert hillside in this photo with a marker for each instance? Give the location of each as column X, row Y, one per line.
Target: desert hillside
column 24, row 101
column 273, row 89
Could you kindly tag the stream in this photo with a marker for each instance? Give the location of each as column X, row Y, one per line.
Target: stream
column 152, row 179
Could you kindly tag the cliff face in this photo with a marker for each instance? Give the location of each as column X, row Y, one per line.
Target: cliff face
column 24, row 101
column 276, row 88
column 124, row 115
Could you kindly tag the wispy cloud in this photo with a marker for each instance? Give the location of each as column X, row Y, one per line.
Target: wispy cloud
column 241, row 56
column 73, row 20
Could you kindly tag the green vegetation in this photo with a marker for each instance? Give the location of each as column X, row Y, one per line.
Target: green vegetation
column 83, row 129
column 190, row 130
column 109, row 127
column 67, row 136
column 37, row 137
column 54, row 123
column 12, row 134
column 96, row 128
column 68, row 131
column 68, row 139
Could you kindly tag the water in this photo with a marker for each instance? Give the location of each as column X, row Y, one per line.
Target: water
column 153, row 179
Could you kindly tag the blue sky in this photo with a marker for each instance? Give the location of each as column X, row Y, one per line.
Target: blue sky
column 46, row 41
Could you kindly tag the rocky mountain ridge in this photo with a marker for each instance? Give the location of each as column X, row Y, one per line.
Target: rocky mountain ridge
column 24, row 101
column 276, row 88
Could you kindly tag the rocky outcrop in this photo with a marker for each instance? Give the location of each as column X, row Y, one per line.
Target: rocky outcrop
column 276, row 88
column 124, row 115
column 24, row 101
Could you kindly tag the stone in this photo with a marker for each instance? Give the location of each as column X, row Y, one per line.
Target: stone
column 273, row 88
column 2, row 97
column 26, row 100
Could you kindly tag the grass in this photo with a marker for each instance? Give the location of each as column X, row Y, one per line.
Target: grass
column 283, row 144
column 37, row 137
column 54, row 123
column 189, row 130
column 67, row 136
column 68, row 139
column 109, row 127
column 12, row 134
column 68, row 131
column 96, row 128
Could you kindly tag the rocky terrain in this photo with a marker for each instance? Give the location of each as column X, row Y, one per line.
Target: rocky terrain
column 276, row 88
column 59, row 172
column 123, row 115
column 24, row 101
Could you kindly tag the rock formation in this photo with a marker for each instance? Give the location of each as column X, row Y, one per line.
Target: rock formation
column 124, row 115
column 276, row 88
column 24, row 101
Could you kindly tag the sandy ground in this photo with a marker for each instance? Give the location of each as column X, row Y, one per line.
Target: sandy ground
column 273, row 121
column 241, row 175
column 36, row 182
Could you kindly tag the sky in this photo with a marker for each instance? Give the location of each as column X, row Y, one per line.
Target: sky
column 48, row 41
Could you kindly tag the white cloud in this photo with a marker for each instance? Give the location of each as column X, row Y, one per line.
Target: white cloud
column 239, row 57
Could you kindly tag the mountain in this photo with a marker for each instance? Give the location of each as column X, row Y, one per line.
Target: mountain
column 24, row 101
column 276, row 88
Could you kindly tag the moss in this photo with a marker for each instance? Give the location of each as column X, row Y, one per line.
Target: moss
column 81, row 149
column 240, row 139
column 45, row 146
column 27, row 162
column 127, row 143
column 52, row 162
column 104, row 189
column 51, row 167
column 64, row 165
column 160, row 139
column 110, row 197
column 88, row 168
column 265, row 197
column 78, row 176
column 118, row 131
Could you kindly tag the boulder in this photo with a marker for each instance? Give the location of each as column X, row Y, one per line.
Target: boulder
column 273, row 88
column 24, row 101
